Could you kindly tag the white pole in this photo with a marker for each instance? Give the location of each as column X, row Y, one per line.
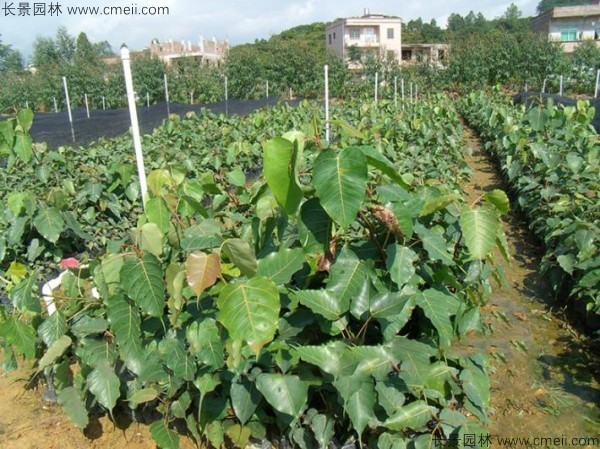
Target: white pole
column 103, row 103
column 167, row 94
column 147, row 99
column 376, row 83
column 402, row 91
column 191, row 97
column 526, row 88
column 226, row 98
column 327, row 103
column 544, row 86
column 597, row 81
column 87, row 106
column 561, row 86
column 56, row 106
column 291, row 96
column 64, row 78
column 267, row 89
column 395, row 92
column 135, row 131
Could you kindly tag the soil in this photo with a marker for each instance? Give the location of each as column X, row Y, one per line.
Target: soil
column 544, row 373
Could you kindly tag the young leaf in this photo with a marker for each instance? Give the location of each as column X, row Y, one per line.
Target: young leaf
column 281, row 265
column 250, row 310
column 202, row 270
column 498, row 199
column 359, row 398
column 205, row 342
column 49, row 223
column 479, row 227
column 438, row 307
column 142, row 279
column 54, row 352
column 23, row 296
column 340, row 180
column 74, row 407
column 163, row 436
column 280, row 171
column 241, row 255
column 414, row 416
column 244, row 399
column 286, row 394
column 104, row 385
column 158, row 213
column 52, row 328
column 400, row 263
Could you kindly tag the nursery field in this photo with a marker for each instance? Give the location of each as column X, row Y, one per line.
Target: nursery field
column 398, row 286
column 55, row 129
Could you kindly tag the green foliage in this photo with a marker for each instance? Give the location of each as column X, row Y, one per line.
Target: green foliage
column 237, row 318
column 550, row 157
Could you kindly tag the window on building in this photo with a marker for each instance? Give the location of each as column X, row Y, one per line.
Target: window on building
column 334, row 35
column 597, row 33
column 354, row 33
column 406, row 55
column 329, row 38
column 390, row 33
column 369, row 34
column 568, row 34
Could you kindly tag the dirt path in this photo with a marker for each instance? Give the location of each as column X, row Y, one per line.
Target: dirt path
column 26, row 422
column 545, row 378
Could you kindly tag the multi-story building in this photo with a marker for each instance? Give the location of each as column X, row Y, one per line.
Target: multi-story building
column 207, row 51
column 570, row 25
column 353, row 38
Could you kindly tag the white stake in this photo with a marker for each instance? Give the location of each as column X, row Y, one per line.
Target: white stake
column 267, row 89
column 87, row 106
column 226, row 98
column 597, row 82
column 395, row 92
column 376, row 85
column 291, row 96
column 56, row 106
column 103, row 103
column 135, row 131
column 26, row 104
column 561, row 86
column 147, row 99
column 64, row 78
column 191, row 97
column 526, row 88
column 402, row 91
column 327, row 103
column 544, row 86
column 167, row 95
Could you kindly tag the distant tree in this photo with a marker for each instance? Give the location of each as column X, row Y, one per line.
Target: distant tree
column 85, row 53
column 587, row 55
column 65, row 45
column 103, row 49
column 44, row 52
column 10, row 59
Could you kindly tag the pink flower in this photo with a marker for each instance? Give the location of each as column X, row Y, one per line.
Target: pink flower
column 69, row 262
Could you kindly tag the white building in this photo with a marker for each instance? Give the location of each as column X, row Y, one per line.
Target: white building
column 570, row 25
column 372, row 34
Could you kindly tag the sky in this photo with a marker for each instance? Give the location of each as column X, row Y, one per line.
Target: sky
column 239, row 21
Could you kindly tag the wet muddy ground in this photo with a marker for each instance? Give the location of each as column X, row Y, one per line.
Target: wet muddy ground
column 545, row 374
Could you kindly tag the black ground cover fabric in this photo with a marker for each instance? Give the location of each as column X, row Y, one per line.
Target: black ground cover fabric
column 54, row 128
column 534, row 99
